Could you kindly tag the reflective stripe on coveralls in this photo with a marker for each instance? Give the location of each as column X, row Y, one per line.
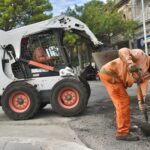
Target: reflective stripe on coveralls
column 109, row 74
column 121, row 102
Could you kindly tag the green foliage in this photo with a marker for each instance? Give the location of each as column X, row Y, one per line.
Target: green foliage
column 76, row 12
column 129, row 27
column 92, row 15
column 115, row 23
column 103, row 19
column 70, row 38
column 15, row 13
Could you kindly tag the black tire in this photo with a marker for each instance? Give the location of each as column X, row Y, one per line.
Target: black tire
column 77, row 97
column 20, row 101
column 84, row 81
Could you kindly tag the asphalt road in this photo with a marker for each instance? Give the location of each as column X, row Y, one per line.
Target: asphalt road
column 94, row 129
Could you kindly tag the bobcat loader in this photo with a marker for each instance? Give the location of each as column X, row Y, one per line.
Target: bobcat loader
column 26, row 85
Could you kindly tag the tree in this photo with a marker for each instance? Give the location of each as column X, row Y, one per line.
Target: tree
column 15, row 13
column 116, row 24
column 103, row 19
column 76, row 12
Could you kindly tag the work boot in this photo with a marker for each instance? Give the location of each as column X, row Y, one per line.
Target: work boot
column 133, row 128
column 128, row 137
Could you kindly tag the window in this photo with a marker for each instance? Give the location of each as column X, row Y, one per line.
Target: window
column 49, row 42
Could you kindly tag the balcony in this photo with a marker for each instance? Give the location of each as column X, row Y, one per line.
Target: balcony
column 119, row 3
column 139, row 16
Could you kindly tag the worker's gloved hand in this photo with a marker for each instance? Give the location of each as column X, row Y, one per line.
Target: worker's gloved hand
column 142, row 106
column 138, row 79
column 134, row 68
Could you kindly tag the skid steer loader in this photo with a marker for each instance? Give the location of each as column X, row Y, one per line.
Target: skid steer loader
column 26, row 85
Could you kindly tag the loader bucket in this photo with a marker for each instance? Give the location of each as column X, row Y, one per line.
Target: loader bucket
column 103, row 57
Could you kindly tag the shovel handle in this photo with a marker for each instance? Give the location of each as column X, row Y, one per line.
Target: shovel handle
column 146, row 116
column 141, row 96
column 143, row 102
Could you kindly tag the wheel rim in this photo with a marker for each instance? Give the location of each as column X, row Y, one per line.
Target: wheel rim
column 19, row 101
column 68, row 98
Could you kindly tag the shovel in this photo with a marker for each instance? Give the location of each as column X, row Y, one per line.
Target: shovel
column 145, row 127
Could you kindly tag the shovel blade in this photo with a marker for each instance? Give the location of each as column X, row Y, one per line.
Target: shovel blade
column 145, row 128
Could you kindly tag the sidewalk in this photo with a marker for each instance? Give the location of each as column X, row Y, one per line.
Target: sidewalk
column 48, row 132
column 8, row 143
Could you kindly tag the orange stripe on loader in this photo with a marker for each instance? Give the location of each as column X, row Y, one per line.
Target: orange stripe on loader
column 41, row 65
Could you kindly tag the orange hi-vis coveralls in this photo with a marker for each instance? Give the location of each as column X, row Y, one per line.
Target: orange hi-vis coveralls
column 116, row 77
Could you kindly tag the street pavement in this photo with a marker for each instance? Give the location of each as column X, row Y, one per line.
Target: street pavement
column 47, row 131
column 94, row 129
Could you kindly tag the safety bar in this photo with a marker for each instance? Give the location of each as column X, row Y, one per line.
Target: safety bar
column 37, row 64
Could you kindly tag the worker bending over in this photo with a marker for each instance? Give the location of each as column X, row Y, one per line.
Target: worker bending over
column 119, row 74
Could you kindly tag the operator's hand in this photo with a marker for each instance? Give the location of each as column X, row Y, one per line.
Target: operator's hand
column 50, row 59
column 142, row 106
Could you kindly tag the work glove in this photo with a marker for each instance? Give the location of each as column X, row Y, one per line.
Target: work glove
column 134, row 68
column 142, row 106
column 138, row 79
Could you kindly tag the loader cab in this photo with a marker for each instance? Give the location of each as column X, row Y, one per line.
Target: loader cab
column 52, row 43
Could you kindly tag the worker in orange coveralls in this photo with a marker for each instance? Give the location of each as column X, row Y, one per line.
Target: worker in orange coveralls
column 119, row 74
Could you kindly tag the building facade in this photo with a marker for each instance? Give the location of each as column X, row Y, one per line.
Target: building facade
column 132, row 9
column 125, row 8
column 137, row 16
